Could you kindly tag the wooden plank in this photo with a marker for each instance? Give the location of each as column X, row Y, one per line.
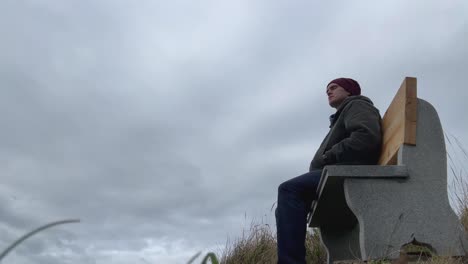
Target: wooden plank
column 411, row 113
column 399, row 122
column 411, row 120
column 393, row 127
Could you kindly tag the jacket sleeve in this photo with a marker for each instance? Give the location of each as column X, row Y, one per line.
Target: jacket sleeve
column 363, row 125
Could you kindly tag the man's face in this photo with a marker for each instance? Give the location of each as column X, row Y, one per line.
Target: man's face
column 336, row 95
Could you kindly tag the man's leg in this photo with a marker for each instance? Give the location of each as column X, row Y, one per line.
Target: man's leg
column 294, row 199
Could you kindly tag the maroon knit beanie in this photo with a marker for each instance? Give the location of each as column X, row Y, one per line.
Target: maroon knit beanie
column 348, row 84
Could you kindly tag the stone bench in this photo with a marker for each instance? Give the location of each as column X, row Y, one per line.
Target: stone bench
column 371, row 211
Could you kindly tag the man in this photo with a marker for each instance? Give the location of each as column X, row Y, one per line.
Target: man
column 355, row 137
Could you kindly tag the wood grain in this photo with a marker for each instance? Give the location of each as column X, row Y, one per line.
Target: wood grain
column 399, row 122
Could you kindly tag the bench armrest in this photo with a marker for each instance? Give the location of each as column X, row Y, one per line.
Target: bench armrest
column 333, row 177
column 335, row 173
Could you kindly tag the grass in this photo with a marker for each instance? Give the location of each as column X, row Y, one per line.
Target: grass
column 258, row 245
column 20, row 240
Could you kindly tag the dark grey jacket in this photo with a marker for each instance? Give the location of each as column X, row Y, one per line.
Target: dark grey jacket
column 355, row 135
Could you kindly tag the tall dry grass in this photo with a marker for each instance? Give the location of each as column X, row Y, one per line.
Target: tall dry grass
column 457, row 159
column 258, row 245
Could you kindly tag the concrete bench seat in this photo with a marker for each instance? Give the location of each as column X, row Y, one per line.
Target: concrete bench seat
column 332, row 183
column 370, row 211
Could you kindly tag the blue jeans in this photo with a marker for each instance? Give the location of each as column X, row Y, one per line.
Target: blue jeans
column 294, row 199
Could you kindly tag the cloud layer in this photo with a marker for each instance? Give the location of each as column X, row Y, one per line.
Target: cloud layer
column 167, row 127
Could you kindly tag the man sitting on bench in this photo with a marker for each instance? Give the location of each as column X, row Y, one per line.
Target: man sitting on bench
column 355, row 137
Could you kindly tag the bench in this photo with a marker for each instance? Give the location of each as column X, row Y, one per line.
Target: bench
column 371, row 211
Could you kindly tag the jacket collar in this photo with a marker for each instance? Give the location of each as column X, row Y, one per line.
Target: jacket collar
column 346, row 101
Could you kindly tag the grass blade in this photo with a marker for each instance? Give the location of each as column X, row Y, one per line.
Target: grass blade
column 212, row 257
column 37, row 230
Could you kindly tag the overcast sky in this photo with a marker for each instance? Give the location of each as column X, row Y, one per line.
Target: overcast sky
column 166, row 126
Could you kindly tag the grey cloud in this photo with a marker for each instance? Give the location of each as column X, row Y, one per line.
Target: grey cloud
column 170, row 120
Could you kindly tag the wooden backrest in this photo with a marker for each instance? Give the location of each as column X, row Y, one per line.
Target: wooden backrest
column 399, row 122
